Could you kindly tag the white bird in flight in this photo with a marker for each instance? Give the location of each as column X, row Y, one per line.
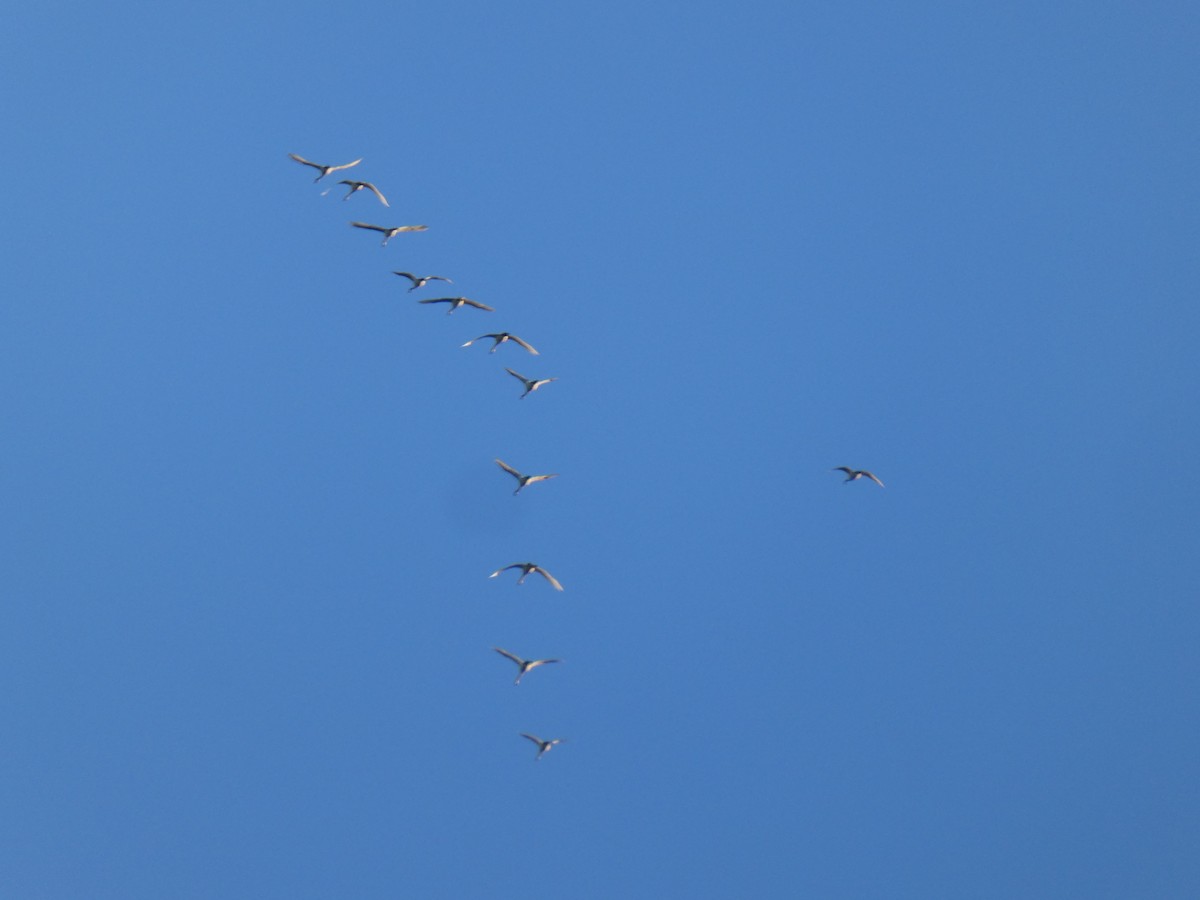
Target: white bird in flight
column 528, row 568
column 356, row 186
column 456, row 302
column 389, row 233
column 501, row 338
column 531, row 384
column 524, row 665
column 421, row 281
column 543, row 746
column 855, row 474
column 522, row 480
column 325, row 170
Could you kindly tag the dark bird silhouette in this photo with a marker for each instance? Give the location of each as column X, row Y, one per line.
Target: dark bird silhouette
column 855, row 474
column 456, row 302
column 524, row 665
column 528, row 568
column 531, row 384
column 522, row 480
column 389, row 233
column 501, row 338
column 543, row 746
column 356, row 186
column 325, row 170
column 422, row 281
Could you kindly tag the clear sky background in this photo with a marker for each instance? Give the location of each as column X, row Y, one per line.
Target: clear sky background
column 249, row 503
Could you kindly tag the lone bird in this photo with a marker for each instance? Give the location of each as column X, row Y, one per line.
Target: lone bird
column 389, row 233
column 422, row 281
column 531, row 384
column 456, row 302
column 356, row 186
column 526, row 569
column 501, row 338
column 524, row 665
column 325, row 170
column 543, row 746
column 855, row 474
column 523, row 480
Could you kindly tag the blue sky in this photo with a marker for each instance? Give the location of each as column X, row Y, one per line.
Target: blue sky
column 250, row 505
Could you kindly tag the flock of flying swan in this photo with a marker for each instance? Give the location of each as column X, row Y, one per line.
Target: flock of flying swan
column 531, row 384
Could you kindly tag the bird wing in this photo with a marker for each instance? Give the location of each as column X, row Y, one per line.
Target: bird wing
column 409, row 275
column 512, row 656
column 513, row 337
column 412, row 228
column 302, row 160
column 374, row 190
column 507, row 468
column 846, row 469
column 378, row 228
column 533, row 478
column 537, row 740
column 480, row 338
column 505, row 569
column 438, row 300
column 550, row 578
column 346, row 166
column 873, row 478
column 438, row 278
column 477, row 304
column 521, row 378
column 533, row 664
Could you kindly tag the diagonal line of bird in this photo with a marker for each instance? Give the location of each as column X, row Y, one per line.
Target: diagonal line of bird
column 498, row 339
column 530, row 385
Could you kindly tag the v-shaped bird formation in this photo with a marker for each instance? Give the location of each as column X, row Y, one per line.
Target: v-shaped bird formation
column 524, row 666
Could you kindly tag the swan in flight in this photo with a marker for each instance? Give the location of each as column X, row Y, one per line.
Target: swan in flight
column 522, row 480
column 456, row 302
column 389, row 233
column 855, row 474
column 524, row 665
column 325, row 170
column 356, row 186
column 531, row 384
column 422, row 281
column 543, row 746
column 501, row 338
column 528, row 568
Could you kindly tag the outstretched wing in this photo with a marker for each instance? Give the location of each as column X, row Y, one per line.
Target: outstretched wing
column 378, row 228
column 412, row 228
column 513, row 337
column 410, row 276
column 346, row 166
column 507, row 468
column 303, row 161
column 505, row 569
column 374, row 190
column 476, row 304
column 438, row 300
column 520, row 378
column 532, row 479
column 512, row 656
column 537, row 740
column 480, row 338
column 873, row 478
column 438, row 278
column 550, row 578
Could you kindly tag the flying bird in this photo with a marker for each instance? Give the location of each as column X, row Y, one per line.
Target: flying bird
column 389, row 233
column 456, row 302
column 524, row 665
column 531, row 384
column 526, row 569
column 855, row 474
column 500, row 338
column 325, row 170
column 356, row 186
column 543, row 746
column 422, row 281
column 523, row 480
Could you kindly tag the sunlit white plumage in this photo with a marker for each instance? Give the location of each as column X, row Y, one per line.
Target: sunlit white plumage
column 523, row 480
column 356, row 186
column 389, row 233
column 531, row 384
column 501, row 338
column 422, row 280
column 524, row 665
column 855, row 474
column 325, row 170
column 456, row 302
column 528, row 568
column 543, row 746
